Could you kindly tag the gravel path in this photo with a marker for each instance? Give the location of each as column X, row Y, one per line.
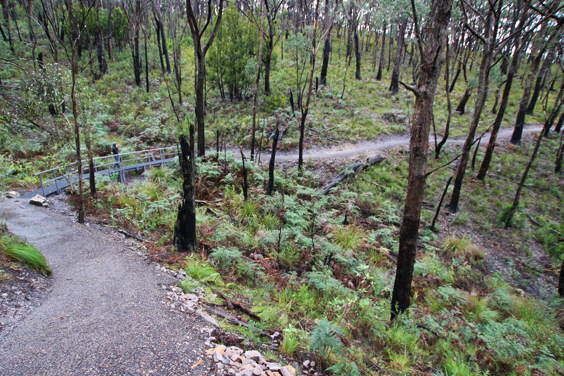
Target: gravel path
column 105, row 313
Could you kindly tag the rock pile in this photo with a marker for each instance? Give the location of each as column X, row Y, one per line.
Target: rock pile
column 233, row 361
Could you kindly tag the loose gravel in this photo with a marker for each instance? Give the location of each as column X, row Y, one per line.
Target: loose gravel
column 106, row 312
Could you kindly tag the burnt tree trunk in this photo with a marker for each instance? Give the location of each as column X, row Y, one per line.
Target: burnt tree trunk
column 6, row 12
column 482, row 91
column 439, row 146
column 560, row 153
column 185, row 226
column 270, row 184
column 461, row 108
column 540, row 80
column 382, row 54
column 504, row 99
column 431, row 62
column 358, row 54
column 394, row 85
column 517, row 198
column 257, row 81
column 521, row 114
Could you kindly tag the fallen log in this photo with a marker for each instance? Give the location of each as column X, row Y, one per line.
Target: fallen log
column 355, row 169
column 233, row 304
column 288, row 268
column 131, row 235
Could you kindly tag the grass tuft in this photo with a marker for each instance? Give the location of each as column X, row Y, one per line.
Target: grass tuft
column 464, row 247
column 28, row 255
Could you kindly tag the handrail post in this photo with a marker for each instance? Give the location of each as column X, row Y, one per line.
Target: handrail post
column 42, row 187
column 56, row 185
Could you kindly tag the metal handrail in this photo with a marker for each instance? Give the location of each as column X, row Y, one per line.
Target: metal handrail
column 106, row 161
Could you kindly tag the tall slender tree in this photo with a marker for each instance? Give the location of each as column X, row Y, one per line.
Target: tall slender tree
column 430, row 43
column 200, row 50
column 489, row 42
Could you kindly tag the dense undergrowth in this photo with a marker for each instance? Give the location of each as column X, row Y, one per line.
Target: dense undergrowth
column 484, row 300
column 320, row 268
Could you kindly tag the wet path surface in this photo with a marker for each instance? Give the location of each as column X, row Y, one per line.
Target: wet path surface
column 104, row 314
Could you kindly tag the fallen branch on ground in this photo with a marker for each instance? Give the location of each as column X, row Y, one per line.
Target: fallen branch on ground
column 233, row 304
column 355, row 168
column 131, row 235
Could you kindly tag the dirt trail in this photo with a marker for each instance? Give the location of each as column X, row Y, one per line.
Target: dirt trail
column 385, row 143
column 105, row 313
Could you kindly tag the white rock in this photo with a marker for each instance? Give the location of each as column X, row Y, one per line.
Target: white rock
column 12, row 194
column 38, row 200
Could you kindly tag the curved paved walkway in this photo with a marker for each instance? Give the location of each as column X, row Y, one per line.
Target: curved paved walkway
column 104, row 315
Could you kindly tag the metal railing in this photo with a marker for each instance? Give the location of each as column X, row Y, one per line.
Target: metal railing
column 136, row 160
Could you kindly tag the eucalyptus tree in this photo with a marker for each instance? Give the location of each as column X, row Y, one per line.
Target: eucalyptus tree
column 272, row 34
column 401, row 18
column 327, row 27
column 134, row 12
column 6, row 14
column 353, row 10
column 487, row 16
column 199, row 23
column 518, row 41
column 160, row 35
column 430, row 42
column 177, row 31
column 545, row 37
column 305, row 109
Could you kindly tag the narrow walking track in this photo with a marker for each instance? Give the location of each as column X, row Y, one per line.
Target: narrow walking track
column 389, row 142
column 104, row 315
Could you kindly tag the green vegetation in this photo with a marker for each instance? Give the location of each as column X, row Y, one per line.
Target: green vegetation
column 318, row 269
column 15, row 249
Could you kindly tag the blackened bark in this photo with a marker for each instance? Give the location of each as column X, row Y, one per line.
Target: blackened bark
column 349, row 43
column 158, row 35
column 394, row 86
column 461, row 108
column 520, row 121
column 244, row 171
column 270, row 184
column 358, row 54
column 185, row 226
column 431, row 62
column 455, row 78
column 6, row 12
column 554, row 113
column 481, row 95
column 325, row 64
column 382, row 54
column 146, row 63
column 505, row 97
column 517, row 198
column 268, row 58
column 440, row 204
column 200, row 111
column 560, row 153
column 558, row 128
column 136, row 58
column 540, row 80
column 439, row 146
